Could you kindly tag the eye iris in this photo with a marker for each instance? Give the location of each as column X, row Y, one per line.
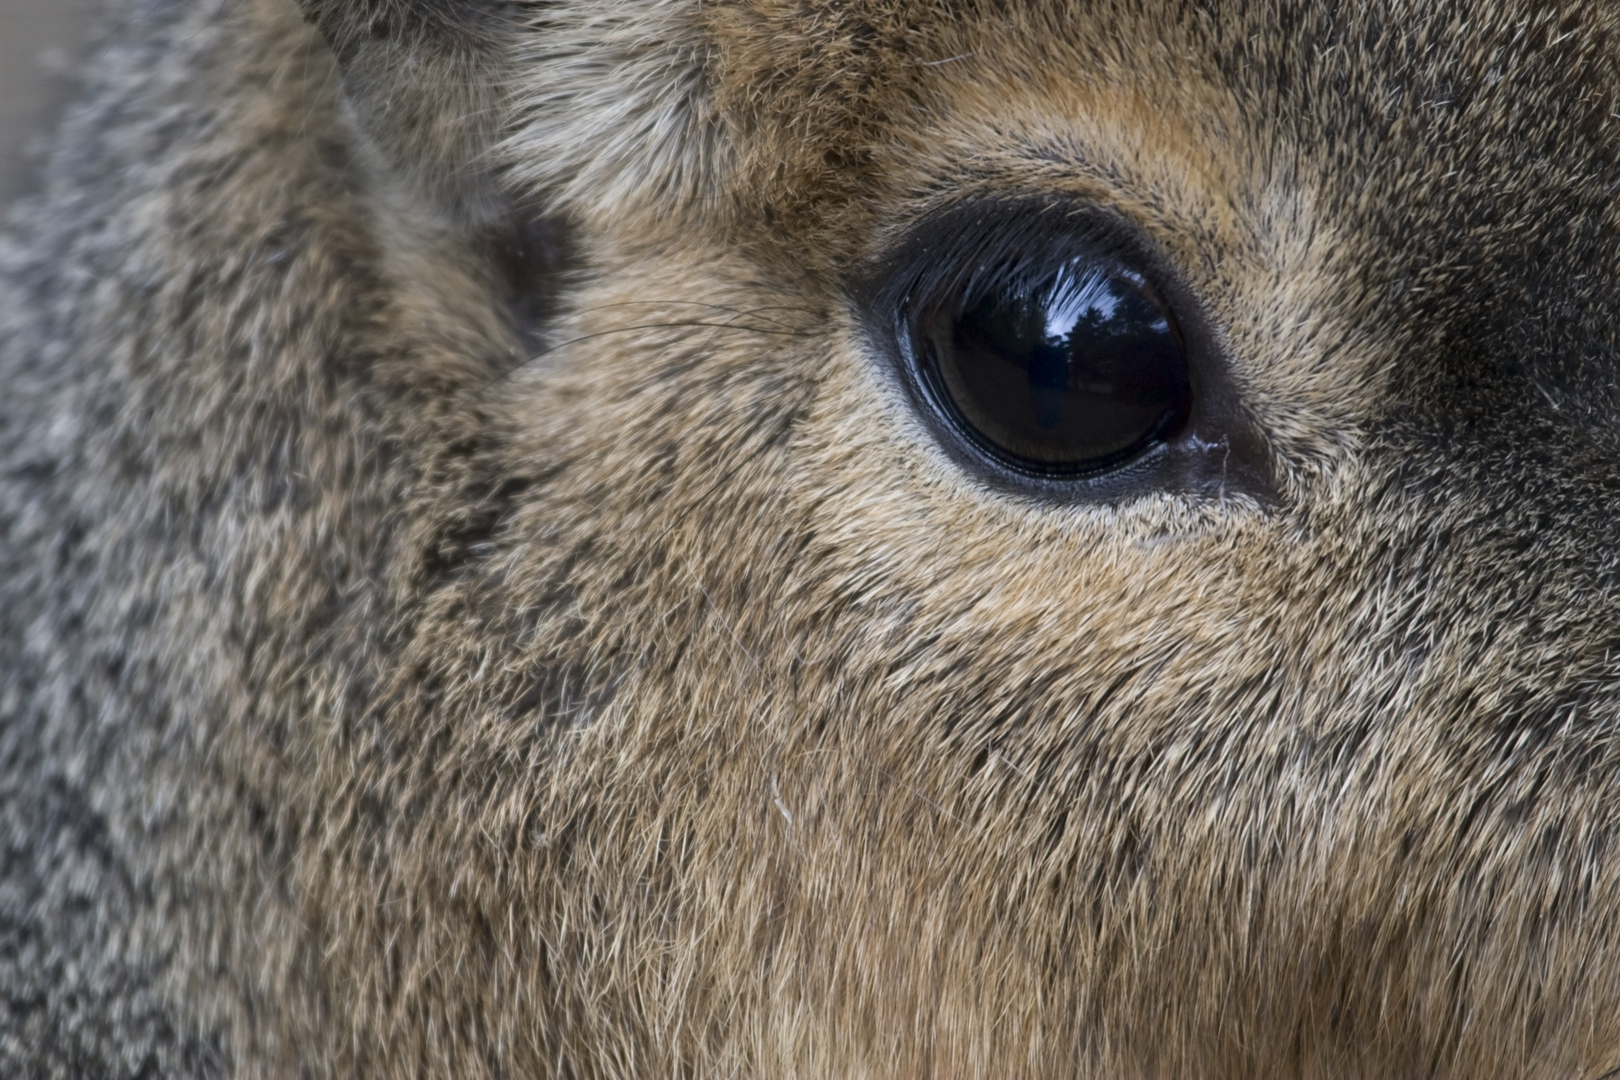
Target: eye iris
column 1078, row 373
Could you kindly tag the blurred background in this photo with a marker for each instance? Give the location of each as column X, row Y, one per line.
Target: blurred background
column 41, row 42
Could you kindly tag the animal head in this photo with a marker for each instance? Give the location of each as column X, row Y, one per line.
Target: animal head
column 1029, row 538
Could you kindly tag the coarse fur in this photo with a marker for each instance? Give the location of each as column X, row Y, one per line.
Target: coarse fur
column 474, row 603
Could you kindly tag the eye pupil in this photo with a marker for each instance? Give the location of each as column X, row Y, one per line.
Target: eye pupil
column 1071, row 374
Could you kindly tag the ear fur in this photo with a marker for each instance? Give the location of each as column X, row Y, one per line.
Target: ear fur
column 425, row 80
column 600, row 108
column 615, row 112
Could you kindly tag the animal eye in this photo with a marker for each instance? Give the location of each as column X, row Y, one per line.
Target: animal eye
column 1061, row 373
column 1052, row 350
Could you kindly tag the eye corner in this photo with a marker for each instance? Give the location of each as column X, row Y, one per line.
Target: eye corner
column 1143, row 405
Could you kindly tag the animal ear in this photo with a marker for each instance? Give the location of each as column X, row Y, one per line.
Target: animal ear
column 602, row 109
column 427, row 81
column 615, row 115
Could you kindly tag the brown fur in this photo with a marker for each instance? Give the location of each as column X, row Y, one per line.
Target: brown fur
column 471, row 604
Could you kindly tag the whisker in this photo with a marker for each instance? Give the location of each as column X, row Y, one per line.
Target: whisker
column 920, row 795
column 741, row 312
column 694, row 324
column 721, row 616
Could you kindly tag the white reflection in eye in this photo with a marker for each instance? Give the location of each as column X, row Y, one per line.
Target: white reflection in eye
column 1092, row 297
column 1075, row 297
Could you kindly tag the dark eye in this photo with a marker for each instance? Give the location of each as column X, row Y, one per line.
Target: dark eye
column 1052, row 349
column 1055, row 374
